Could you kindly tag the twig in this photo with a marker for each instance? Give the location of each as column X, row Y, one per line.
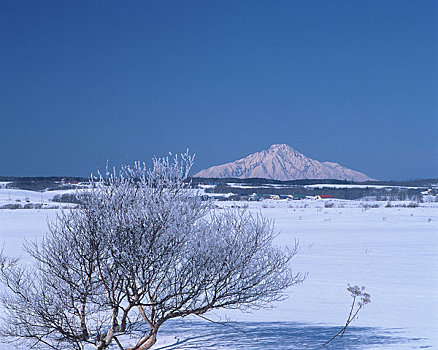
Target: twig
column 118, row 343
column 355, row 291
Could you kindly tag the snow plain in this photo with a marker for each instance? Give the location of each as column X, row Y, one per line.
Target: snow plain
column 392, row 251
column 11, row 196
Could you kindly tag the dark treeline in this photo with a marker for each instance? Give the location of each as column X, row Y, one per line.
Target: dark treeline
column 393, row 190
column 426, row 183
column 388, row 194
column 259, row 186
column 41, row 183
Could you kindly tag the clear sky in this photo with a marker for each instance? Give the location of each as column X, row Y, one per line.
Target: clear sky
column 355, row 82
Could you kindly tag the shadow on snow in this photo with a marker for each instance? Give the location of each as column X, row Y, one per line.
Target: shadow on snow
column 189, row 334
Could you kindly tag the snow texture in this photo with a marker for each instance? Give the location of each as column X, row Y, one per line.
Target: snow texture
column 393, row 251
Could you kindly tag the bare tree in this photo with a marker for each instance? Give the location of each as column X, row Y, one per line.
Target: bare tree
column 142, row 249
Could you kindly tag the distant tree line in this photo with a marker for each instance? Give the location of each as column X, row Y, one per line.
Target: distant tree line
column 286, row 187
column 381, row 194
column 303, row 182
column 40, row 183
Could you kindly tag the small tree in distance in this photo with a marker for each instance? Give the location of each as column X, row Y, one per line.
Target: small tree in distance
column 142, row 249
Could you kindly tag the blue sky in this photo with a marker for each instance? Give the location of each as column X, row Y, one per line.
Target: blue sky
column 355, row 82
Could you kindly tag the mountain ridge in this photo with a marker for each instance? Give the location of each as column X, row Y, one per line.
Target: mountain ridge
column 282, row 162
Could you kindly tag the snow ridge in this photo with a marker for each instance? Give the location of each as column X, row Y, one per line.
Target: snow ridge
column 282, row 162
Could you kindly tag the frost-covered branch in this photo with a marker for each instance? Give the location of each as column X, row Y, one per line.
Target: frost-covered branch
column 143, row 248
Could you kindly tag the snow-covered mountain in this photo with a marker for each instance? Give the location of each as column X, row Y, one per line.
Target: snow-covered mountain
column 282, row 162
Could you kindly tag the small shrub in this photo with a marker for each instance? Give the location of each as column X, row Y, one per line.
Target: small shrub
column 11, row 206
column 368, row 206
column 413, row 205
column 66, row 198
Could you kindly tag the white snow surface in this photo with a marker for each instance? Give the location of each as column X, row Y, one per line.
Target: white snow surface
column 393, row 252
column 13, row 196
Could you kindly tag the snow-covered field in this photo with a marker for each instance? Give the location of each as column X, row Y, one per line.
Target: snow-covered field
column 23, row 197
column 393, row 251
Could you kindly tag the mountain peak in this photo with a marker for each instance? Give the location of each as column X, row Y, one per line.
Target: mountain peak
column 276, row 146
column 282, row 162
column 284, row 150
column 281, row 147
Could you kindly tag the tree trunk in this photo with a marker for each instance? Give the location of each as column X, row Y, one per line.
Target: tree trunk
column 146, row 343
column 152, row 340
column 105, row 342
